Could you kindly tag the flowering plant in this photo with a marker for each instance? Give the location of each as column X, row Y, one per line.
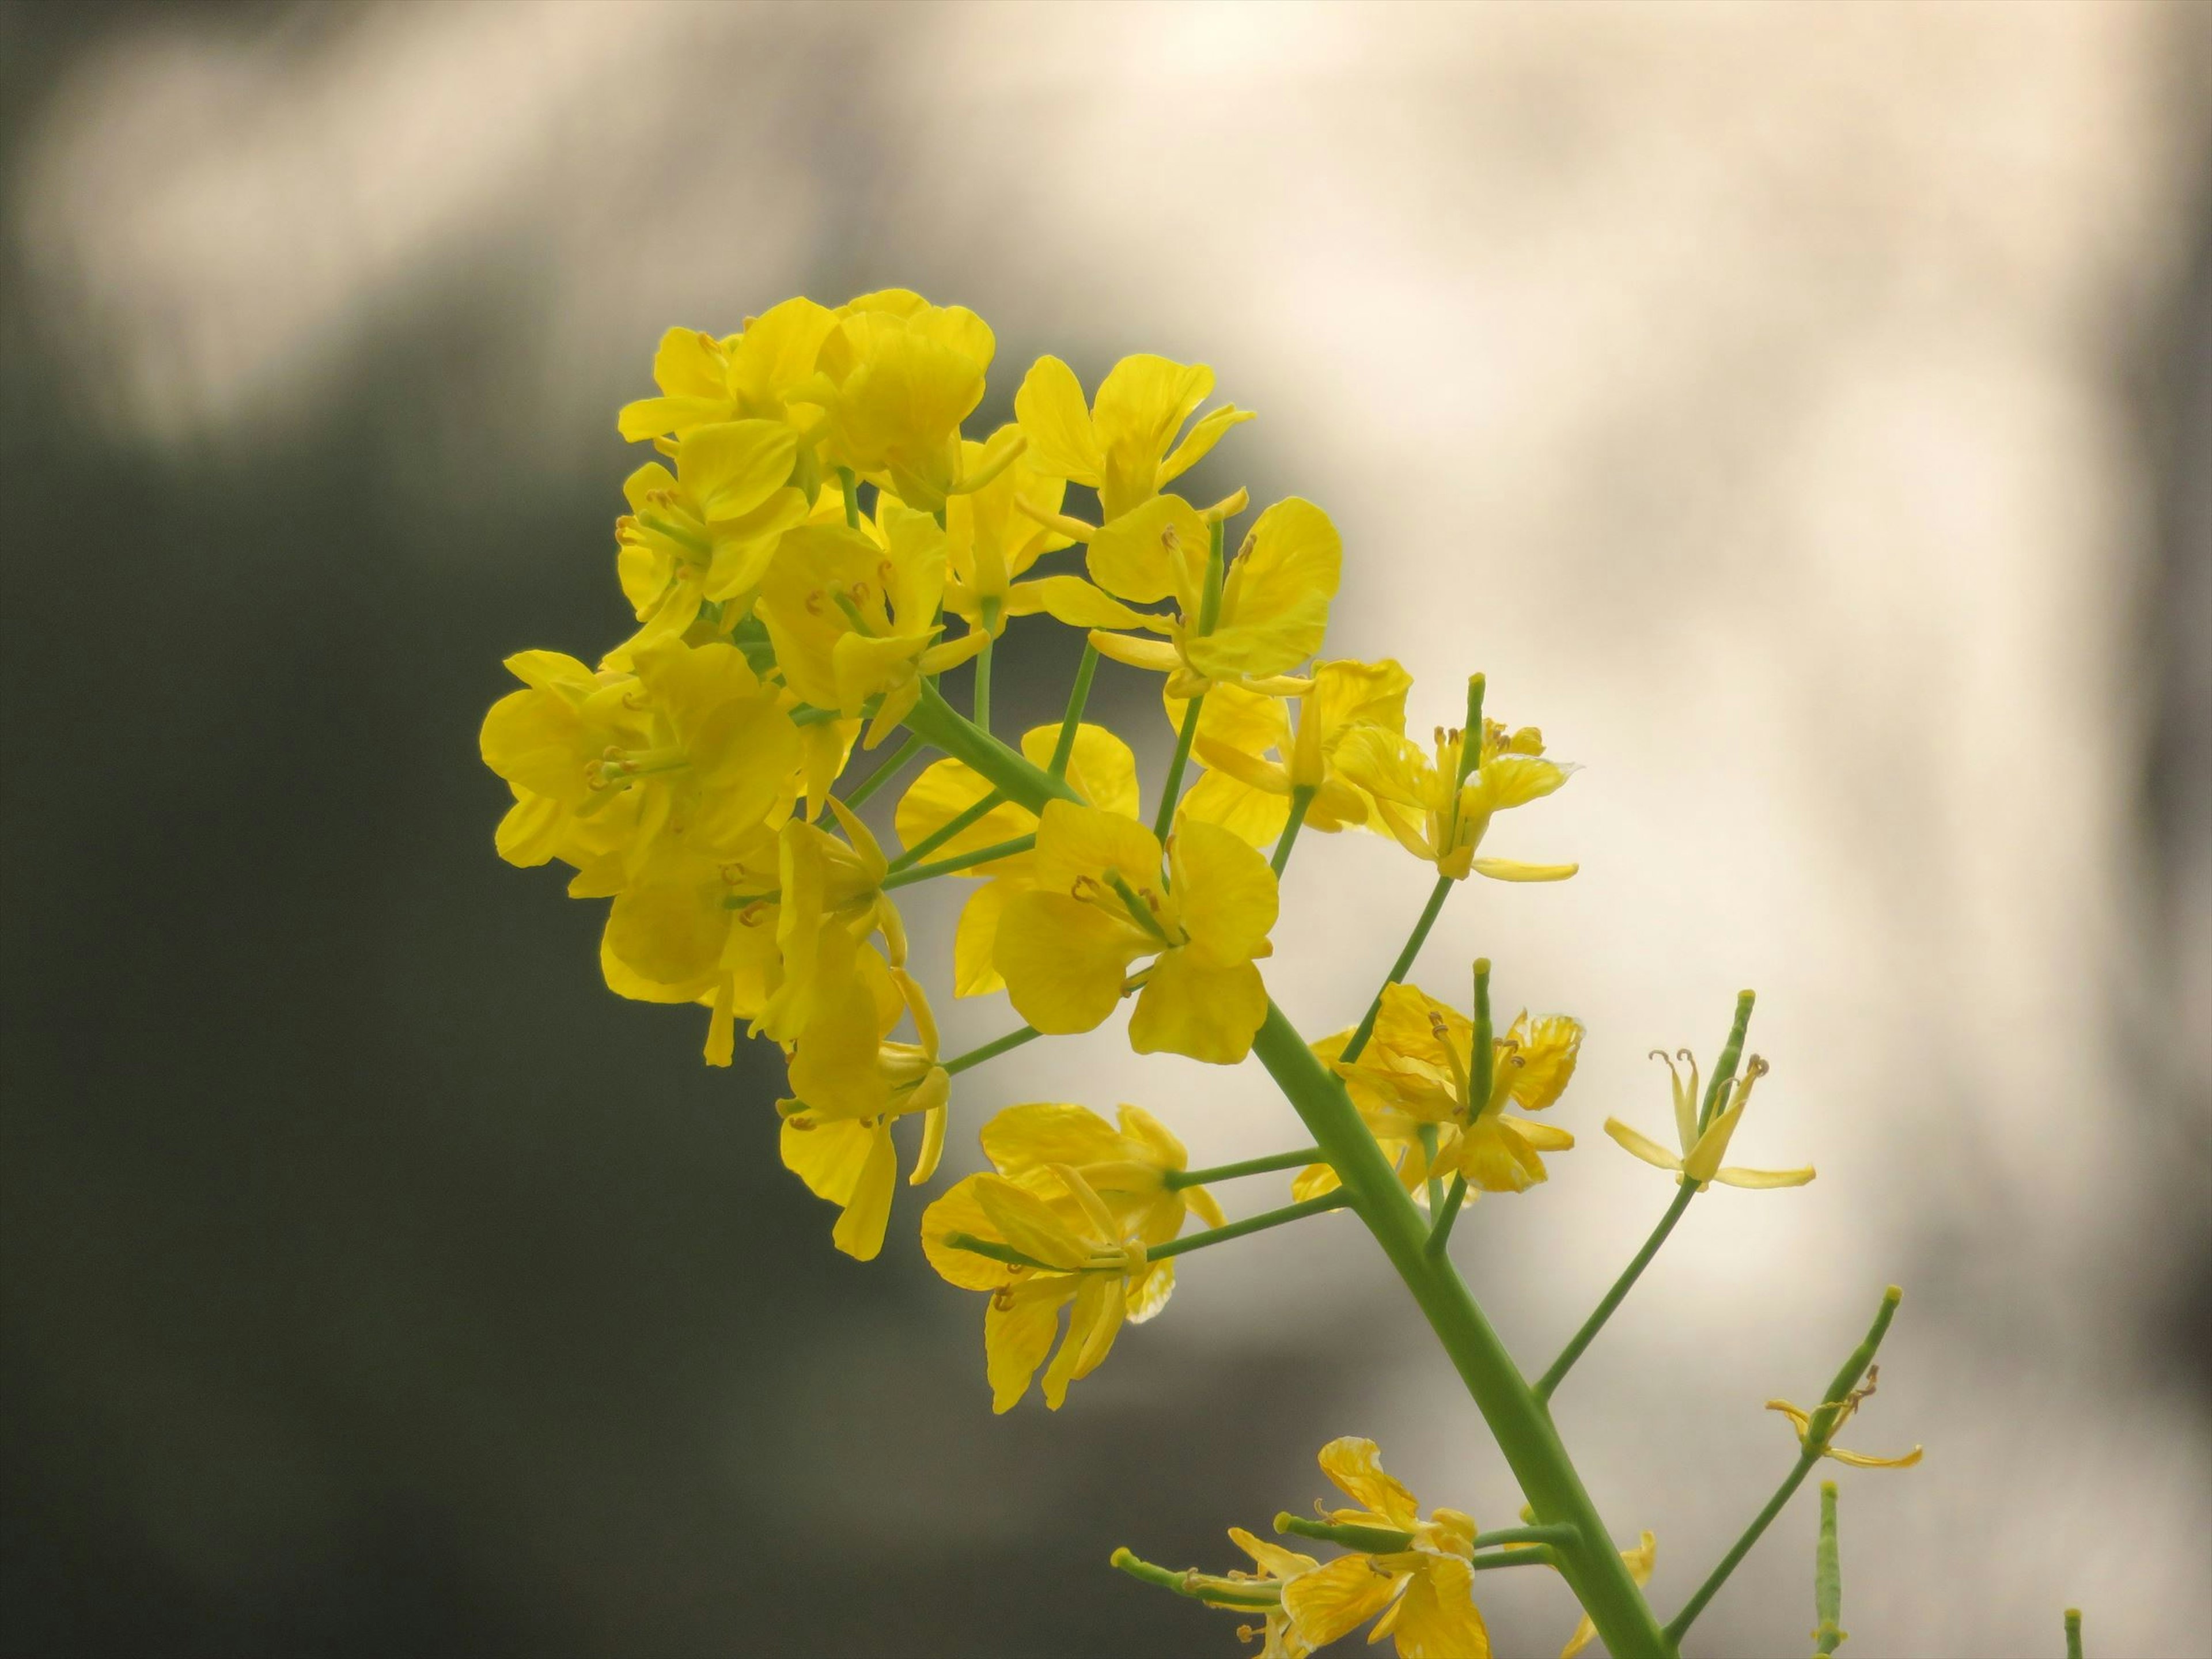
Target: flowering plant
column 818, row 546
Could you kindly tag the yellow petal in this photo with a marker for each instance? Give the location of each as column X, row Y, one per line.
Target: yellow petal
column 1153, row 656
column 1157, row 551
column 1275, row 605
column 1188, row 1008
column 1313, row 1181
column 1094, row 1318
column 1162, row 1149
column 1147, row 1292
column 1437, row 1618
column 1027, row 1223
column 975, row 939
column 734, row 466
column 1100, row 767
column 1271, row 1559
column 1207, row 431
column 958, row 1211
column 1335, row 1599
column 1075, row 601
column 1054, row 418
column 1032, row 1136
column 932, row 1143
column 1074, row 842
column 1703, row 1159
column 1861, row 1460
column 859, row 1230
column 1547, row 1049
column 1019, row 1328
column 1735, row 1177
column 1642, row 1147
column 1544, row 1137
column 1354, row 1463
column 1255, row 816
column 1224, row 891
column 1064, row 960
column 1514, row 870
column 942, row 791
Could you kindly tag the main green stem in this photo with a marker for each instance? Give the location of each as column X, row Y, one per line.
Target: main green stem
column 1591, row 1565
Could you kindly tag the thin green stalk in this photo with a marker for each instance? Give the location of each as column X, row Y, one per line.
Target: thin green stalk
column 1209, row 603
column 1504, row 1535
column 1549, row 1383
column 990, row 1050
column 982, row 715
column 1199, row 1586
column 1254, row 1224
column 852, row 489
column 945, row 831
column 1301, row 799
column 1441, row 1230
column 1817, row 1432
column 953, row 865
column 1482, row 1058
column 1171, row 787
column 1828, row 1632
column 1078, row 696
column 884, row 774
column 1724, row 1067
column 2073, row 1634
column 1591, row 1565
column 1470, row 742
column 1403, row 966
column 1535, row 1556
column 1375, row 1541
column 1436, row 1185
column 1178, row 1179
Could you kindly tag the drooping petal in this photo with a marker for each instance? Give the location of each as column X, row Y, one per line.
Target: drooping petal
column 1063, row 960
column 1019, row 1328
column 1335, row 1599
column 1189, row 1008
column 1026, row 1223
column 1270, row 1558
column 1033, row 1136
column 1642, row 1147
column 1437, row 1618
column 958, row 1211
column 975, row 939
column 1514, row 870
column 1354, row 1463
column 1075, row 601
column 1733, row 1175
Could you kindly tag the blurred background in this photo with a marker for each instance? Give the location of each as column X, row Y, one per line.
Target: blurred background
column 1801, row 413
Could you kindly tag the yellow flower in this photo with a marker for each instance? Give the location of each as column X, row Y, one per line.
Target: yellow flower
column 849, row 1082
column 1418, row 1069
column 1099, row 904
column 748, row 376
column 1700, row 1159
column 1429, row 1586
column 1801, row 1420
column 1124, row 446
column 897, row 377
column 992, row 542
column 706, row 533
column 1077, row 1256
column 831, row 898
column 1274, row 600
column 690, row 756
column 1640, row 1560
column 1437, row 816
column 1248, row 794
column 852, row 621
column 1128, row 1166
column 1100, row 768
column 1278, row 1637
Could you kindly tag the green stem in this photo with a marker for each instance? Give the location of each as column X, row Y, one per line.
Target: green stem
column 1435, row 1184
column 882, row 774
column 958, row 862
column 1255, row 1224
column 1078, row 696
column 852, row 489
column 1816, row 1444
column 1199, row 1586
column 1549, row 1383
column 944, row 832
column 1504, row 1535
column 1827, row 1579
column 1470, row 742
column 1171, row 787
column 997, row 1252
column 1400, row 967
column 944, row 727
column 1301, row 799
column 2073, row 1634
column 982, row 715
column 1209, row 603
column 1374, row 1540
column 1440, row 1231
column 990, row 1050
column 1537, row 1556
column 1178, row 1179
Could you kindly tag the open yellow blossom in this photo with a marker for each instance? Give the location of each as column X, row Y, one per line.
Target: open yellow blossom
column 700, row 745
column 1273, row 603
column 1100, row 903
column 896, row 377
column 1801, row 1420
column 1248, row 794
column 1071, row 1252
column 1428, row 1586
column 747, row 376
column 1439, row 817
column 848, row 1081
column 1124, row 445
column 1700, row 1159
column 1640, row 1560
column 992, row 542
column 1418, row 1069
column 1100, row 767
column 1128, row 1167
column 707, row 532
column 830, row 899
column 852, row 621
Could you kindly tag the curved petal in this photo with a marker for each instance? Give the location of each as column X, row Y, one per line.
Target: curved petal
column 1055, row 419
column 975, row 939
column 1275, row 606
column 1019, row 1328
column 1075, row 601
column 1642, row 1147
column 1063, row 961
column 1255, row 816
column 1225, row 892
column 1437, row 1618
column 1155, row 552
column 1733, row 1176
column 1100, row 767
column 1208, row 1014
column 1335, row 1599
column 1514, row 870
column 958, row 1211
column 942, row 791
column 1354, row 1463
column 1033, row 1136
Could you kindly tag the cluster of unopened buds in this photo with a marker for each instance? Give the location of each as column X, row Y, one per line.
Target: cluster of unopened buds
column 818, row 543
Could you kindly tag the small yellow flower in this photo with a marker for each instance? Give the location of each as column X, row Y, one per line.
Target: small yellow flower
column 1428, row 1587
column 1436, row 817
column 1418, row 1069
column 1273, row 607
column 1124, row 445
column 897, row 377
column 830, row 899
column 849, row 1082
column 1100, row 767
column 853, row 621
column 1700, row 1159
column 1128, row 1166
column 1801, row 1420
column 1085, row 1259
column 747, row 376
column 1100, row 903
column 1248, row 794
column 1640, row 1560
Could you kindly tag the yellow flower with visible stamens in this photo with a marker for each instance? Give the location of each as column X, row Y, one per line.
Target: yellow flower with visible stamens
column 1428, row 1586
column 1417, row 1070
column 849, row 1082
column 1248, row 794
column 1100, row 903
column 1128, row 1166
column 1100, row 767
column 748, row 376
column 1279, row 1637
column 1078, row 1256
column 1640, row 1560
column 1124, row 445
column 1274, row 600
column 1434, row 815
column 1699, row 1160
column 1801, row 1420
